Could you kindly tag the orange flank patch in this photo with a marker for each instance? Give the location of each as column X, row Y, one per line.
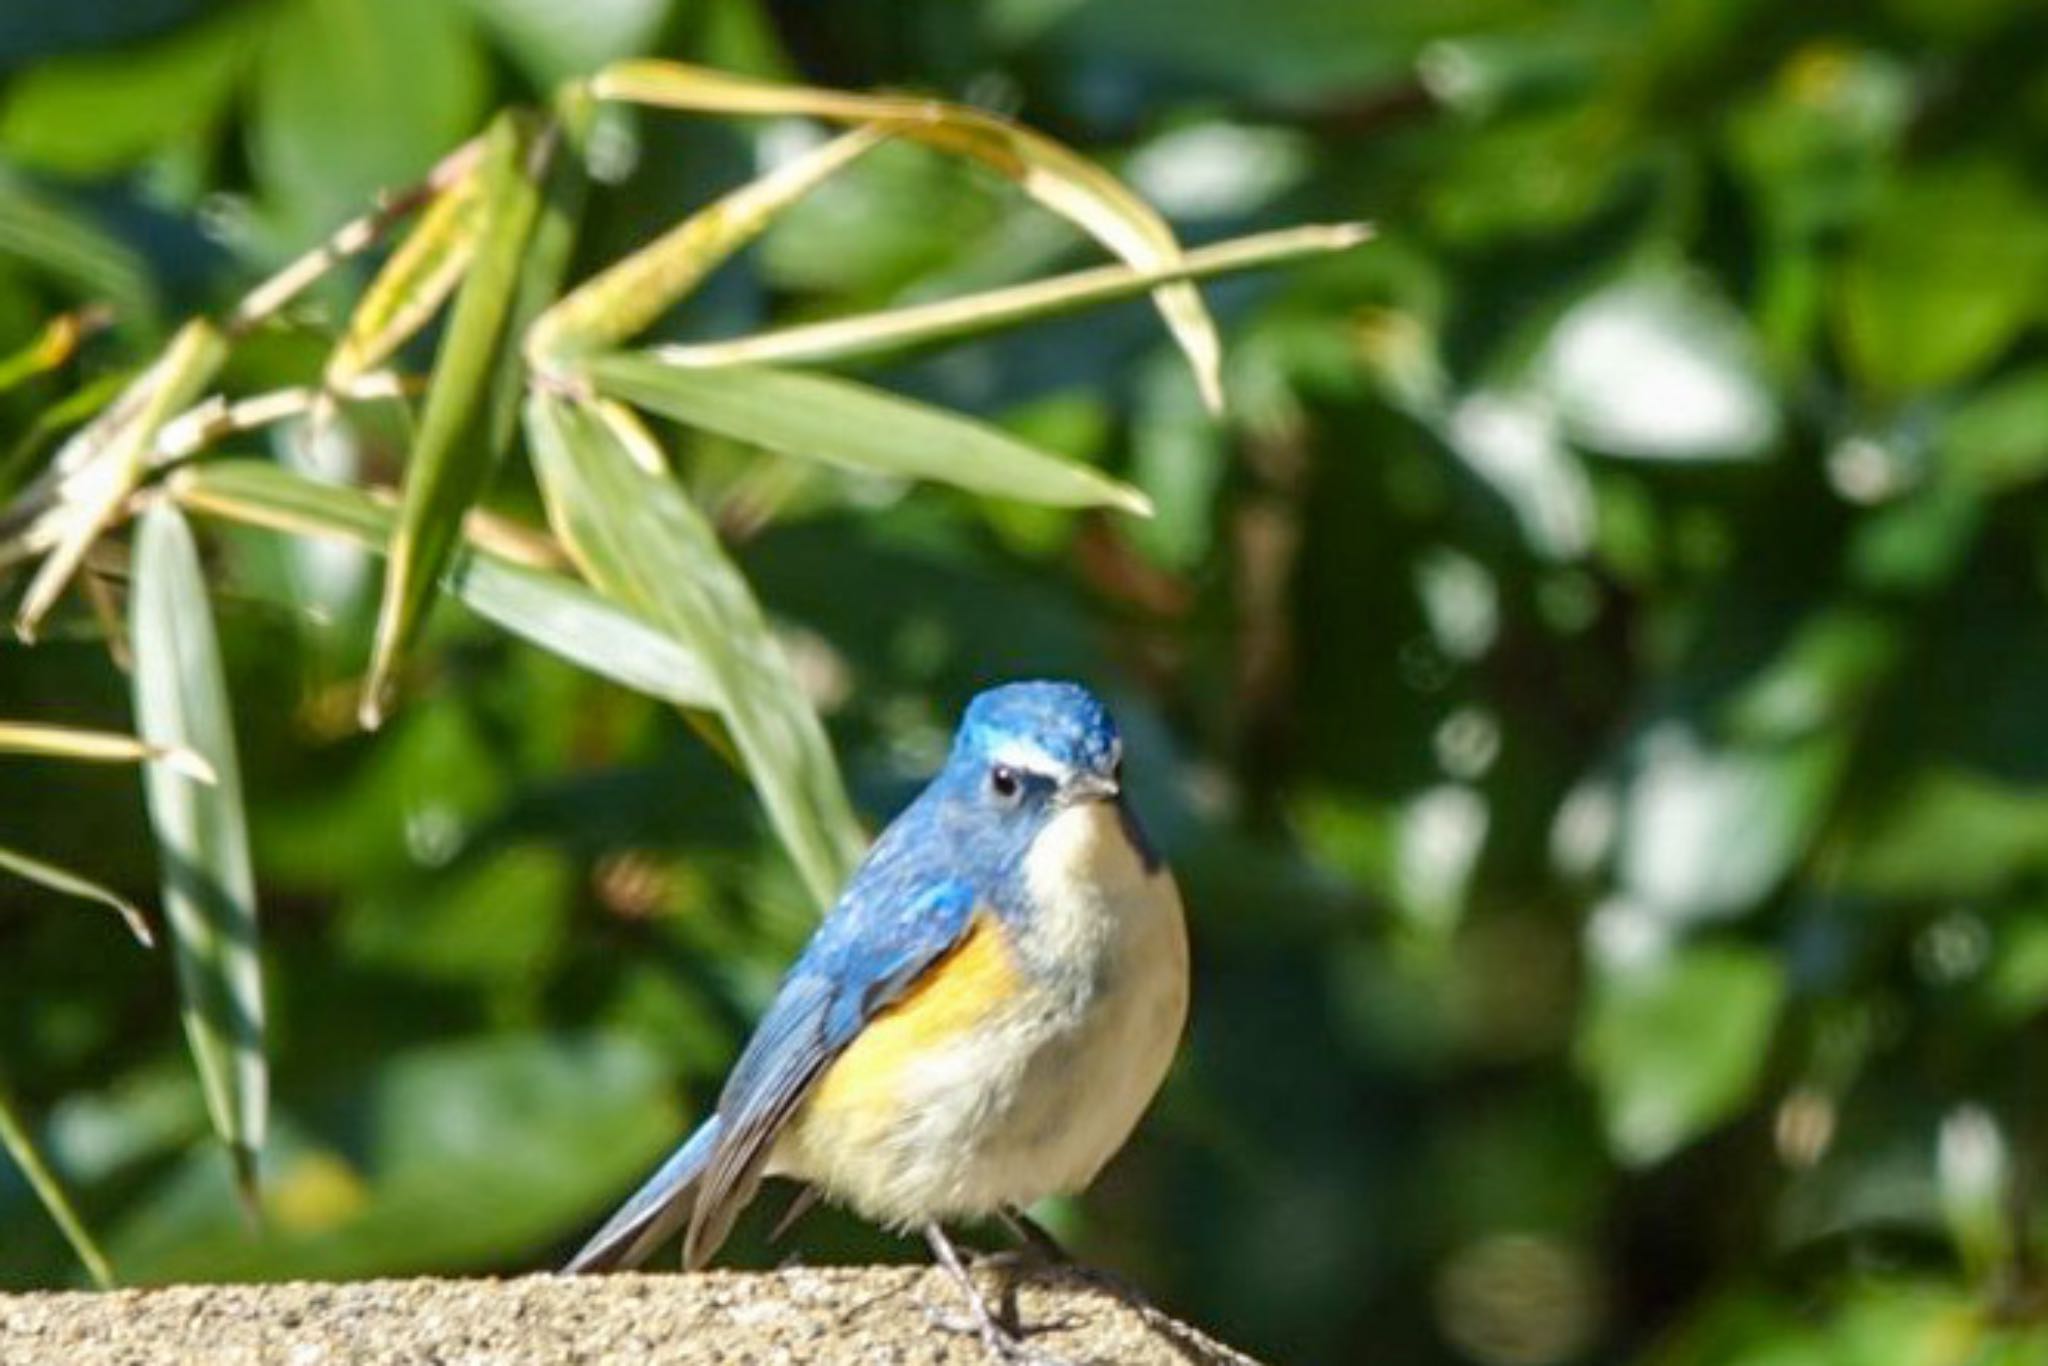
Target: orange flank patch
column 955, row 994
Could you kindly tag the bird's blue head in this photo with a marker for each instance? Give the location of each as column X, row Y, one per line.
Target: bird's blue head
column 1034, row 747
column 1025, row 754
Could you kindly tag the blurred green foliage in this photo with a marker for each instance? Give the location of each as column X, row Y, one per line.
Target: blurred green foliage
column 1591, row 687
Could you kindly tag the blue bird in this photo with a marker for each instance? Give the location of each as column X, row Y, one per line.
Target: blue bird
column 978, row 1022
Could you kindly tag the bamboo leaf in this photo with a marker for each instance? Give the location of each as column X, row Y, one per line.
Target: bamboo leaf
column 350, row 96
column 14, row 1137
column 99, row 110
column 555, row 613
column 550, row 247
column 1062, row 180
column 458, row 444
column 80, row 405
column 95, row 746
column 201, row 831
column 69, row 245
column 639, row 538
column 113, row 473
column 71, row 884
column 627, row 297
column 50, row 348
column 414, row 283
column 918, row 324
column 860, row 428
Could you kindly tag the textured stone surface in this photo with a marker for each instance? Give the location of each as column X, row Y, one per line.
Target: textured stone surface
column 868, row 1315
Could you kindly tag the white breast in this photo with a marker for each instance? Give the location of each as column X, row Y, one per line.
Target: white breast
column 1034, row 1102
column 1110, row 938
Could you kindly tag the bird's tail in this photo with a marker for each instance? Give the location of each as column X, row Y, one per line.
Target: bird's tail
column 657, row 1209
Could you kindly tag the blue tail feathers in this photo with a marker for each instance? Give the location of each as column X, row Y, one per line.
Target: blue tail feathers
column 656, row 1211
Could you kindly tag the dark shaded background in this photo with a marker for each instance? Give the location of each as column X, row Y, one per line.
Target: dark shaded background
column 1594, row 689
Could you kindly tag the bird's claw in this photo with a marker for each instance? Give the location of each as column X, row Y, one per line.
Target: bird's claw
column 1011, row 1259
column 1003, row 1344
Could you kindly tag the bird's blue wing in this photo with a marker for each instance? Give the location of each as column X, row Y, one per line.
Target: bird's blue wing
column 656, row 1210
column 882, row 936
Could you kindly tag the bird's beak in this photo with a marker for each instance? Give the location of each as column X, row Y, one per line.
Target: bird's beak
column 1090, row 787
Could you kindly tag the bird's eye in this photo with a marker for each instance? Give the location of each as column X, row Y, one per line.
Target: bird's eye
column 1002, row 779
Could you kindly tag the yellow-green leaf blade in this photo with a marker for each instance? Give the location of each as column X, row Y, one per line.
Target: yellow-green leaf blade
column 854, row 426
column 181, row 702
column 50, row 348
column 944, row 319
column 555, row 613
column 637, row 536
column 626, row 298
column 414, row 283
column 550, row 246
column 83, row 404
column 112, row 474
column 1059, row 178
column 50, row 1191
column 93, row 746
column 458, row 443
column 68, row 883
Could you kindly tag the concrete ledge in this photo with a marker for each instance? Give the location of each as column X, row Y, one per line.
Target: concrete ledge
column 827, row 1316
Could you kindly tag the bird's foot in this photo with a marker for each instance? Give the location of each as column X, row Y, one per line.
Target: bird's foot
column 1037, row 1242
column 1003, row 1341
column 1037, row 1247
column 1003, row 1259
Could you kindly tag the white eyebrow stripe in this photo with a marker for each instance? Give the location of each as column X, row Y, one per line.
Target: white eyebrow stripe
column 1022, row 754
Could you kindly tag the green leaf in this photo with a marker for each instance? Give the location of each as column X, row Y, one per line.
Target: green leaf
column 459, row 444
column 859, row 428
column 550, row 247
column 14, row 1137
column 639, row 538
column 556, row 613
column 628, row 296
column 1945, row 275
column 72, row 248
column 1720, row 794
column 181, row 702
column 457, row 1156
column 113, row 472
column 98, row 113
column 1974, row 1183
column 1950, row 831
column 2016, row 985
column 357, row 95
column 1511, row 439
column 1709, row 829
column 1676, row 1044
column 920, row 324
column 414, row 283
column 1886, row 1322
column 1893, row 1318
column 500, row 916
column 71, row 884
column 1998, row 438
column 1180, row 459
column 54, row 345
column 1659, row 367
column 554, row 43
column 1059, row 178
